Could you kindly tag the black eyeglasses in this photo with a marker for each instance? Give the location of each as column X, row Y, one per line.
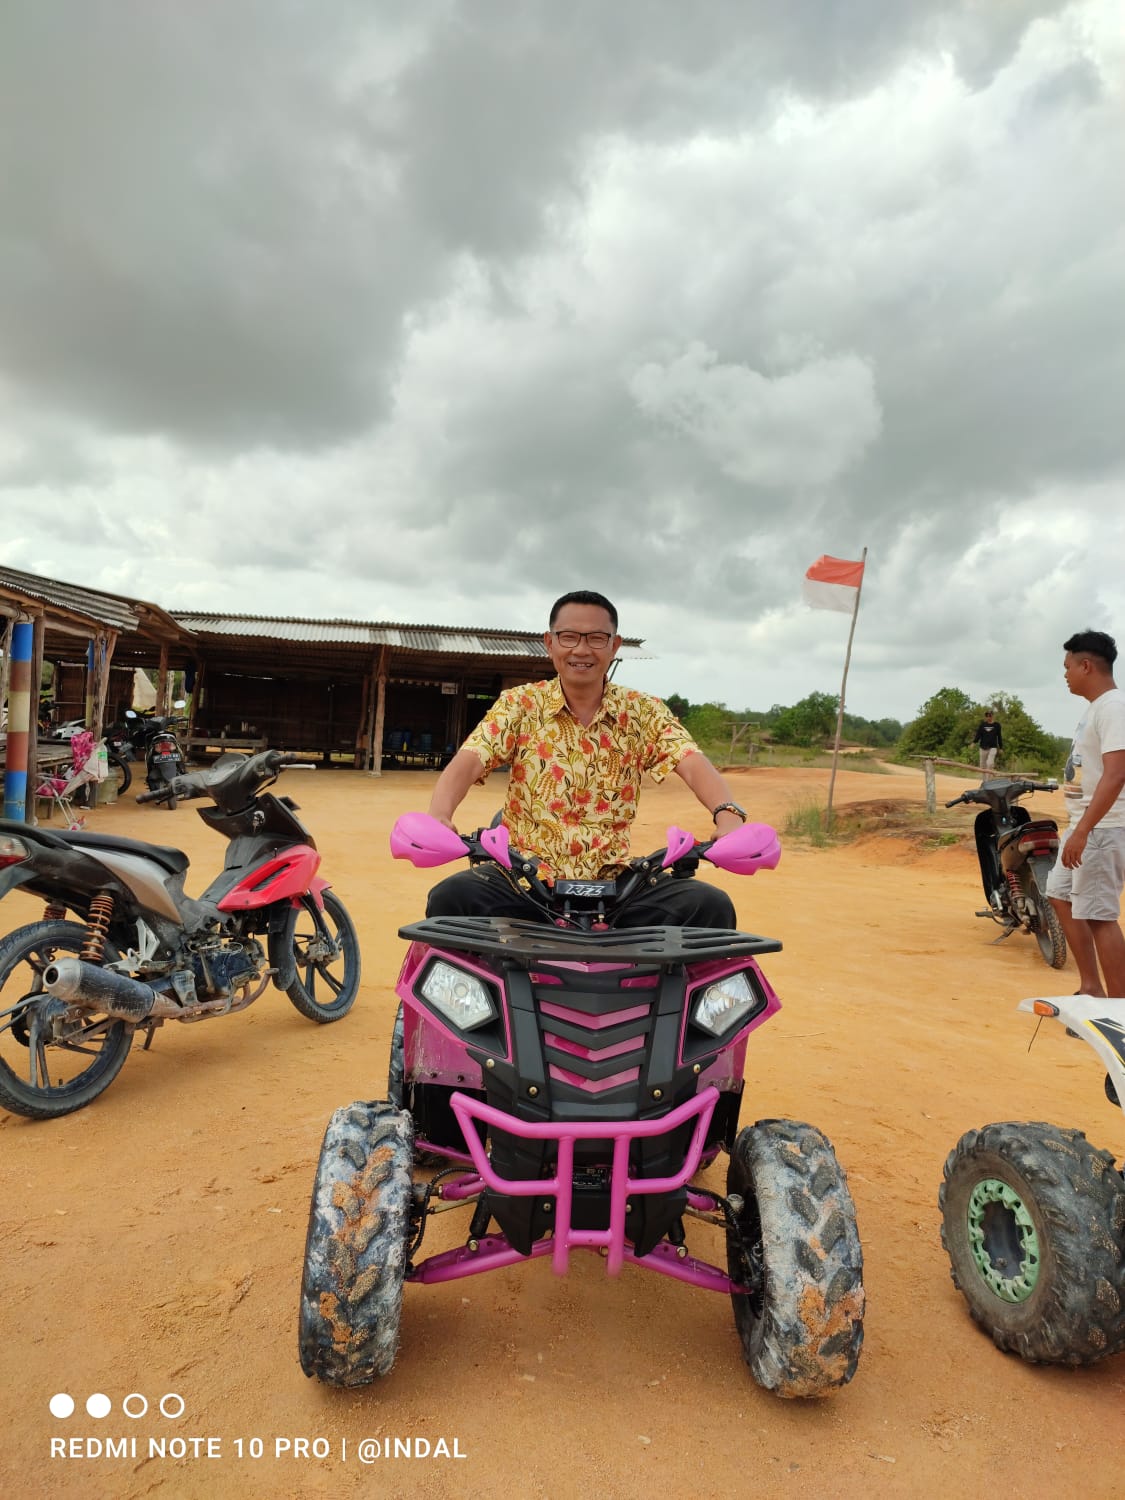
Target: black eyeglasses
column 597, row 640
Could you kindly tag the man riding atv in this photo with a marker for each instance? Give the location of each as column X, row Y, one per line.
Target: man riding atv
column 578, row 745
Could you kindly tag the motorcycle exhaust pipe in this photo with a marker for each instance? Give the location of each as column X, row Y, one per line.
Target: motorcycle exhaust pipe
column 107, row 991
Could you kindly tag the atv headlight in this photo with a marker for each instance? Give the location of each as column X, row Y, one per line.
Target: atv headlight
column 461, row 998
column 723, row 1005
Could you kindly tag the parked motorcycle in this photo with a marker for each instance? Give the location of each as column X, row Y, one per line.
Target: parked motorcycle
column 574, row 1077
column 164, row 760
column 1033, row 1216
column 1015, row 856
column 73, row 994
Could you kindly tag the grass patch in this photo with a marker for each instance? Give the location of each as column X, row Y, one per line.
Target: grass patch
column 808, row 819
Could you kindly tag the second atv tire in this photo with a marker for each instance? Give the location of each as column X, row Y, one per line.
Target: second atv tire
column 1033, row 1221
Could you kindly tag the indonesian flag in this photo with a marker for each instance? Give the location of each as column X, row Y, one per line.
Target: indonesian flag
column 833, row 583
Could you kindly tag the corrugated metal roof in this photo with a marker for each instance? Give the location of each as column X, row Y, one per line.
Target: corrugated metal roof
column 106, row 609
column 452, row 639
column 341, row 632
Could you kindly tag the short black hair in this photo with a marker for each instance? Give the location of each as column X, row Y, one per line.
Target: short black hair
column 988, row 713
column 584, row 596
column 1093, row 643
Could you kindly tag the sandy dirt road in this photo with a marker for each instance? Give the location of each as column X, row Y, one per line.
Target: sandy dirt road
column 153, row 1242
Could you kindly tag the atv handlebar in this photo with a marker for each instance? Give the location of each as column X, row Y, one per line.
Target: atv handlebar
column 426, row 842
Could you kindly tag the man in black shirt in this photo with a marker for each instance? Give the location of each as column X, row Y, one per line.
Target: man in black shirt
column 989, row 738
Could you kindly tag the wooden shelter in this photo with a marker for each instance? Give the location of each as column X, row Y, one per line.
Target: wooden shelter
column 369, row 693
column 376, row 693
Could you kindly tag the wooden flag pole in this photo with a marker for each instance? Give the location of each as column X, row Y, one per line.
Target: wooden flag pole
column 843, row 694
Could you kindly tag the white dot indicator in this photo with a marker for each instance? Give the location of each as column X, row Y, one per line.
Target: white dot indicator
column 61, row 1405
column 135, row 1397
column 98, row 1405
column 166, row 1401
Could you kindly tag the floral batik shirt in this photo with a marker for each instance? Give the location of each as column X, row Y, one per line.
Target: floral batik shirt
column 572, row 792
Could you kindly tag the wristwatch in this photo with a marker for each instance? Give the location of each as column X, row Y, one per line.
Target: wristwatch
column 739, row 812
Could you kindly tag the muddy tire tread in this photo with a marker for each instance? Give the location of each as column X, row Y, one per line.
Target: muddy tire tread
column 1076, row 1197
column 356, row 1247
column 807, row 1340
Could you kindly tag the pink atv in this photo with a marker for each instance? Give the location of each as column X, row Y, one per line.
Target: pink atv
column 571, row 1078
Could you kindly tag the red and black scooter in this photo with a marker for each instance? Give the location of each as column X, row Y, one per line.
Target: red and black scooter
column 74, row 993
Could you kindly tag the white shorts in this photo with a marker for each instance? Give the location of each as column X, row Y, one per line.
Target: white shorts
column 1094, row 888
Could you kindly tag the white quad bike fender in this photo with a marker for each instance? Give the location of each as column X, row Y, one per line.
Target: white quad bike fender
column 1099, row 1023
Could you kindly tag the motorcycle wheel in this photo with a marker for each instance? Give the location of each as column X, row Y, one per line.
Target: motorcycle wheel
column 356, row 1249
column 1048, row 929
column 327, row 983
column 121, row 772
column 1032, row 1222
column 52, row 1060
column 797, row 1244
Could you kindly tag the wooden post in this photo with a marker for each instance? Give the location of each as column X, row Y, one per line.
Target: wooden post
column 361, row 758
column 193, row 707
column 163, row 686
column 103, row 659
column 931, row 785
column 380, row 711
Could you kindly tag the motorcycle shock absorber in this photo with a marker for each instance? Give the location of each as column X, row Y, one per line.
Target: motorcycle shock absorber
column 1017, row 893
column 97, row 925
column 54, row 911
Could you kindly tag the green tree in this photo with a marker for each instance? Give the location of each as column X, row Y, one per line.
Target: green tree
column 809, row 722
column 707, row 722
column 678, row 705
column 944, row 726
column 947, row 722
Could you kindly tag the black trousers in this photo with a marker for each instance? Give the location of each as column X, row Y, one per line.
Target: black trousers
column 484, row 892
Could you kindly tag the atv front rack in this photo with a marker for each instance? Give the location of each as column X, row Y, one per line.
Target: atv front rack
column 530, row 942
column 493, row 1251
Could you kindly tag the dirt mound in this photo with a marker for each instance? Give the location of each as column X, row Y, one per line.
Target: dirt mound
column 896, row 817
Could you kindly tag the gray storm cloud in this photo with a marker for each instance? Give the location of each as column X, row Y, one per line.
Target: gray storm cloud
column 433, row 310
column 801, row 428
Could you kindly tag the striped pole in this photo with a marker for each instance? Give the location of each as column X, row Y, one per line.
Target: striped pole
column 19, row 723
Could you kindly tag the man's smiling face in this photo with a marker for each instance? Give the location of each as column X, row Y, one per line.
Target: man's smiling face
column 576, row 658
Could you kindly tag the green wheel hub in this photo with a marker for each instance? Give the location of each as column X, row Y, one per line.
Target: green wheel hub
column 1003, row 1241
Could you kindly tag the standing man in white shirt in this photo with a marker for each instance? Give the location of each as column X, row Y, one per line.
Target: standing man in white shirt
column 1089, row 873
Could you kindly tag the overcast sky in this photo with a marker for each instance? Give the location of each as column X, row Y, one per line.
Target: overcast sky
column 429, row 312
